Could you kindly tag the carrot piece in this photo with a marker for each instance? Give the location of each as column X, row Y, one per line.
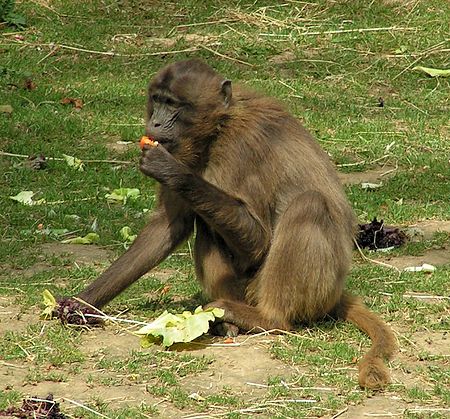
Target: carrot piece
column 147, row 141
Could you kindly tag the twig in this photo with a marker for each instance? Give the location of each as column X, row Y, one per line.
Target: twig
column 109, row 53
column 419, row 297
column 225, row 56
column 29, row 356
column 377, row 262
column 86, row 408
column 53, row 51
column 7, row 364
column 428, row 409
column 252, row 409
column 415, row 107
column 341, row 412
column 63, row 201
column 188, row 25
column 390, row 171
column 422, row 55
column 363, row 162
column 114, row 319
column 361, row 30
column 291, row 388
column 351, row 164
column 24, row 156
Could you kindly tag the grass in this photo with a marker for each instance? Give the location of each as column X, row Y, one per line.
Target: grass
column 331, row 63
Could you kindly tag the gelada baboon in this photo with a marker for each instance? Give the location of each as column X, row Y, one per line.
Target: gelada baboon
column 274, row 229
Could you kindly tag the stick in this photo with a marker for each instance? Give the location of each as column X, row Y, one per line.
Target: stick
column 226, row 56
column 419, row 297
column 110, row 53
column 114, row 319
column 390, row 28
column 377, row 262
column 24, row 156
column 86, row 408
column 341, row 412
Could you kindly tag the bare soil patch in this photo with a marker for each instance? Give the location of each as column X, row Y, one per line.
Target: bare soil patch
column 370, row 176
column 241, row 368
column 12, row 319
column 435, row 257
column 430, row 227
column 80, row 254
column 434, row 343
column 381, row 405
column 232, row 366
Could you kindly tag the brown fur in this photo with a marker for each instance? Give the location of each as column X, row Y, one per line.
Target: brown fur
column 274, row 228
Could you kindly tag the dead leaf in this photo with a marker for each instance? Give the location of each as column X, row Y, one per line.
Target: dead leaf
column 165, row 290
column 38, row 162
column 77, row 103
column 29, row 84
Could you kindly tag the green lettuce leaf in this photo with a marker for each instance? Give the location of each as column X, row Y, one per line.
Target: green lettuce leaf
column 71, row 161
column 26, row 198
column 89, row 238
column 175, row 328
column 433, row 72
column 122, row 195
column 50, row 305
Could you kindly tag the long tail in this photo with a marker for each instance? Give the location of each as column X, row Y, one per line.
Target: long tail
column 373, row 373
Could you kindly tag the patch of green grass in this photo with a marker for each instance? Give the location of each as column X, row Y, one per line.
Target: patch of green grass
column 56, row 346
column 9, row 398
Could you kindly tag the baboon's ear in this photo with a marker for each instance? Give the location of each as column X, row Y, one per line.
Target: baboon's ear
column 226, row 92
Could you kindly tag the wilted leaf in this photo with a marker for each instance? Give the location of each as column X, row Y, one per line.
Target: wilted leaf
column 174, row 328
column 433, row 72
column 77, row 103
column 74, row 162
column 123, row 194
column 87, row 239
column 50, row 304
column 6, row 109
column 25, row 197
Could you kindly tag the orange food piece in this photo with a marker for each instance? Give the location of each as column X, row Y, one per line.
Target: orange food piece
column 228, row 340
column 147, row 141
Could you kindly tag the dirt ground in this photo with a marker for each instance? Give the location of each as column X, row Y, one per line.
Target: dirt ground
column 245, row 367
